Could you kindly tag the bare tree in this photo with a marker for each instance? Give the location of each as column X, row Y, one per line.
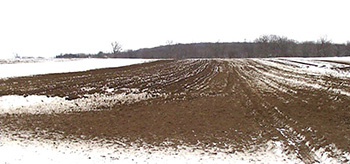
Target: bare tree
column 325, row 47
column 170, row 48
column 217, row 49
column 116, row 47
column 266, row 45
column 17, row 56
column 169, row 42
column 347, row 48
column 275, row 46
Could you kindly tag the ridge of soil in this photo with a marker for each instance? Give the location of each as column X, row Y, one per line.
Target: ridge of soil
column 207, row 103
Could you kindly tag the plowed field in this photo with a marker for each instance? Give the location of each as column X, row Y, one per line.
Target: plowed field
column 228, row 104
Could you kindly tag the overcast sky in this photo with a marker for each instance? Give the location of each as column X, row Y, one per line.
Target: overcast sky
column 47, row 27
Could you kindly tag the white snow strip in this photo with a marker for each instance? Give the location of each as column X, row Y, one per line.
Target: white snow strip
column 61, row 66
column 295, row 82
column 32, row 60
column 310, row 70
column 326, row 157
column 14, row 151
column 338, row 59
column 14, row 104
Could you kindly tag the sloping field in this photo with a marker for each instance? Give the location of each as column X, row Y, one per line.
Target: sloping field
column 28, row 67
column 298, row 110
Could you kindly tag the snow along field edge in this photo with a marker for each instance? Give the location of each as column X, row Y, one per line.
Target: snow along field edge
column 62, row 66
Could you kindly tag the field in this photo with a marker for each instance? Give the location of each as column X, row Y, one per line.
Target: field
column 288, row 110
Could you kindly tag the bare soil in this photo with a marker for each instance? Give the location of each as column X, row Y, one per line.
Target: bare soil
column 208, row 103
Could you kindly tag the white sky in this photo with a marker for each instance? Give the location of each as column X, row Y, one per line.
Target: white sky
column 50, row 27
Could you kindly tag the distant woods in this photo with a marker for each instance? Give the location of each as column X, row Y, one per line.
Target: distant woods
column 262, row 47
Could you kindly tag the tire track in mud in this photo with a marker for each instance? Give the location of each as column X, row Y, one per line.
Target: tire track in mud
column 236, row 102
column 297, row 132
column 272, row 117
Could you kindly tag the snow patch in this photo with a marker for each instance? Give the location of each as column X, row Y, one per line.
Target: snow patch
column 25, row 151
column 63, row 65
column 34, row 104
column 16, row 150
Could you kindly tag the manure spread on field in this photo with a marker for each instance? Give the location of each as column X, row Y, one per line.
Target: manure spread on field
column 230, row 105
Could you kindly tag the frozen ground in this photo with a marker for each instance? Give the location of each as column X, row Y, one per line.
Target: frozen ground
column 338, row 59
column 30, row 151
column 289, row 76
column 44, row 66
column 21, row 150
column 313, row 68
column 38, row 104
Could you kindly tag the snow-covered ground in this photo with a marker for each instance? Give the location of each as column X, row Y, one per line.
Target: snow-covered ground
column 311, row 66
column 33, row 151
column 46, row 66
column 314, row 67
column 19, row 150
column 338, row 59
column 39, row 104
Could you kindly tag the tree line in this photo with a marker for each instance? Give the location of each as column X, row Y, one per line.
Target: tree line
column 262, row 47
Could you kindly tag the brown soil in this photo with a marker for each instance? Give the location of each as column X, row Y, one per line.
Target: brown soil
column 208, row 102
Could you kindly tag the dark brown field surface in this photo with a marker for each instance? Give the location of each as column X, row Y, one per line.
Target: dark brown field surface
column 204, row 102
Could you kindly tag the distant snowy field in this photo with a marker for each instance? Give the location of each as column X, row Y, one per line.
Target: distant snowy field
column 27, row 67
